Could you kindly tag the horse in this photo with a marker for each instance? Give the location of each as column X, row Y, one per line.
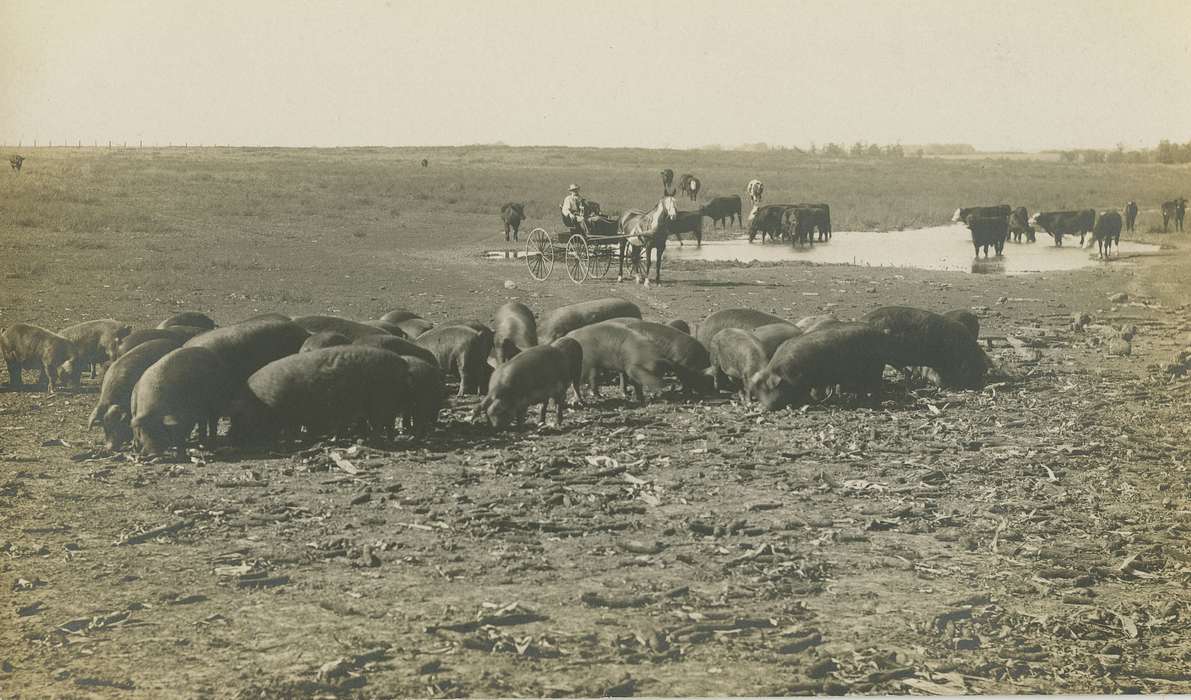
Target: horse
column 689, row 185
column 755, row 189
column 646, row 230
column 668, row 183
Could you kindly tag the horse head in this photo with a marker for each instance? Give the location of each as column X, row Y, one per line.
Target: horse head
column 667, row 206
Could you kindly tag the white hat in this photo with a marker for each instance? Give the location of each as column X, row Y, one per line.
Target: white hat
column 573, row 188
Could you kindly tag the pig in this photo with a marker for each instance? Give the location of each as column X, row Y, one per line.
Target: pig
column 746, row 319
column 574, row 352
column 461, row 351
column 687, row 357
column 114, row 410
column 609, row 346
column 679, row 324
column 187, row 387
column 325, row 339
column 195, row 319
column 565, row 319
column 399, row 315
column 25, row 346
column 919, row 338
column 401, row 346
column 387, row 327
column 97, row 341
column 851, row 355
column 326, row 391
column 413, row 327
column 772, row 335
column 144, row 335
column 533, row 376
column 428, row 394
column 352, row 329
column 813, row 323
column 967, row 318
column 736, row 355
column 246, row 347
column 515, row 330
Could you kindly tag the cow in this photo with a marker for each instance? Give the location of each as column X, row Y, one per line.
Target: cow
column 720, row 209
column 1106, row 231
column 1066, row 223
column 1019, row 225
column 768, row 219
column 690, row 185
column 986, row 231
column 799, row 221
column 688, row 222
column 1174, row 209
column 1130, row 215
column 668, row 183
column 512, row 214
column 15, row 161
column 755, row 189
column 425, row 163
column 962, row 214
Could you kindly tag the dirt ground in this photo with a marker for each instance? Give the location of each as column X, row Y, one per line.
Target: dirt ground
column 1029, row 538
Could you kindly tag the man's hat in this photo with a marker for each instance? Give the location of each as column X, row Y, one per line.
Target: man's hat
column 573, row 188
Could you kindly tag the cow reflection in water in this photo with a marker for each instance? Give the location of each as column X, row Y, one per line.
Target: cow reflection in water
column 988, row 266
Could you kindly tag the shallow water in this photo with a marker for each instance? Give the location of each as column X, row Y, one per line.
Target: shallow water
column 936, row 248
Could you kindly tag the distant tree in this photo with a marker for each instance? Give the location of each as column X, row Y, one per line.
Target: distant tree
column 834, row 150
column 920, row 153
column 713, row 147
column 1068, row 156
column 814, row 149
column 894, row 151
column 857, row 149
column 1091, row 155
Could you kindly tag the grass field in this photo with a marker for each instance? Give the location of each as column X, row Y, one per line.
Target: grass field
column 1030, row 538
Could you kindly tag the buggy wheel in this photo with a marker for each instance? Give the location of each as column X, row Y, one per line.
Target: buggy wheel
column 601, row 262
column 578, row 258
column 636, row 263
column 539, row 254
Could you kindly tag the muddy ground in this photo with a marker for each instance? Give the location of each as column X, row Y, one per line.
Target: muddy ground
column 1031, row 537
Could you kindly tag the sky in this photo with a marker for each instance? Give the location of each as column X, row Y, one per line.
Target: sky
column 1004, row 75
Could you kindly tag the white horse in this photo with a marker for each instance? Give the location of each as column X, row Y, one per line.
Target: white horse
column 646, row 230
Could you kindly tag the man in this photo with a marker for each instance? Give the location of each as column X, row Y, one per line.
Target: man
column 572, row 209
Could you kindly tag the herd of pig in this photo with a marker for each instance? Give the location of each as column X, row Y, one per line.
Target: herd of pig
column 273, row 376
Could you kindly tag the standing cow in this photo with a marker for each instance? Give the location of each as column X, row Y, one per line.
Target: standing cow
column 15, row 161
column 512, row 214
column 690, row 185
column 1066, row 223
column 425, row 163
column 1130, row 215
column 723, row 209
column 1175, row 209
column 1019, row 225
column 1107, row 231
column 755, row 190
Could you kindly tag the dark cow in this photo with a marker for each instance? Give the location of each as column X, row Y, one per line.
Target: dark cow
column 963, row 213
column 808, row 217
column 1019, row 225
column 1107, row 231
column 721, row 209
column 688, row 222
column 690, row 185
column 512, row 214
column 768, row 219
column 1130, row 215
column 988, row 231
column 15, row 161
column 1175, row 209
column 1066, row 223
column 425, row 163
column 668, row 183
